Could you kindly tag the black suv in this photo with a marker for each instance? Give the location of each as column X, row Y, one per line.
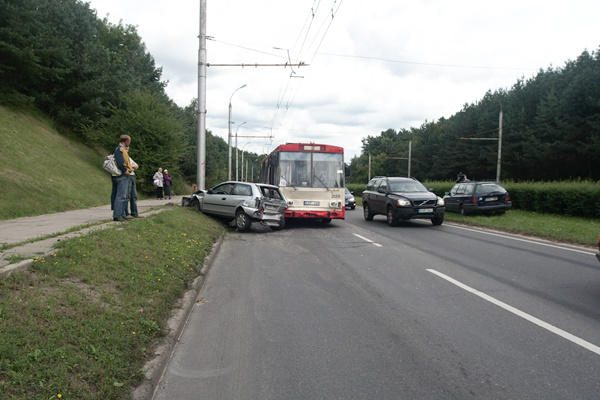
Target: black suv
column 401, row 199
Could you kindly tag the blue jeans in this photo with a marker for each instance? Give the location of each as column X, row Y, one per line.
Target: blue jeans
column 133, row 196
column 122, row 196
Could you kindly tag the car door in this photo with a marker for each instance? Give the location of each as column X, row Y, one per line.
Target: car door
column 450, row 200
column 381, row 197
column 214, row 200
column 369, row 194
column 240, row 193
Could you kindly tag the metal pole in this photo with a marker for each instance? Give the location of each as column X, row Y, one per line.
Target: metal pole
column 237, row 153
column 201, row 150
column 499, row 148
column 229, row 135
column 246, row 178
column 252, row 174
column 242, row 173
column 229, row 142
column 369, row 165
column 409, row 156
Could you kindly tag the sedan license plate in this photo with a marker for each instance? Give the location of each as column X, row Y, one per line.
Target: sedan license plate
column 491, row 198
column 425, row 210
column 312, row 203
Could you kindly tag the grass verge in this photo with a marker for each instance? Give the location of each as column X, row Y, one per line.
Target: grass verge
column 83, row 322
column 576, row 230
column 567, row 229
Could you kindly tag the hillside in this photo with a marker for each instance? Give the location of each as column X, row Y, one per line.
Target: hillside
column 43, row 172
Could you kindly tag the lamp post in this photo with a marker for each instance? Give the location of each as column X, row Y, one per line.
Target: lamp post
column 229, row 134
column 236, row 150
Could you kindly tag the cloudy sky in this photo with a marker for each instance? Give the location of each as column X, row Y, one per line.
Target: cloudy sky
column 374, row 65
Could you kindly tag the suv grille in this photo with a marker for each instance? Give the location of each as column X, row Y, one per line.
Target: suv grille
column 422, row 203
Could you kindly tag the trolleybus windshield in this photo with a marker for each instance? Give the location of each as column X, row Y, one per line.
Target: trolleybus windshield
column 321, row 170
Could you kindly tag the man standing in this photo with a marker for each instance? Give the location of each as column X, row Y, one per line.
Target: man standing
column 122, row 181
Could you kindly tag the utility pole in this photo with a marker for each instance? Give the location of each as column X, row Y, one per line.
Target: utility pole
column 499, row 139
column 369, row 165
column 409, row 156
column 499, row 148
column 246, row 178
column 229, row 135
column 201, row 150
column 242, row 174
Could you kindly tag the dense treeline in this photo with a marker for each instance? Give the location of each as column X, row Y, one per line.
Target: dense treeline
column 551, row 131
column 97, row 81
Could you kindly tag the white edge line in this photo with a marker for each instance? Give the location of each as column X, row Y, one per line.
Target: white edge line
column 521, row 240
column 557, row 331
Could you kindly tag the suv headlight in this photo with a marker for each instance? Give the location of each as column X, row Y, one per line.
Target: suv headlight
column 440, row 201
column 403, row 203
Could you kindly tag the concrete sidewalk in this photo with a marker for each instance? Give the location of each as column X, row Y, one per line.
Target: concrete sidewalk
column 27, row 228
column 32, row 230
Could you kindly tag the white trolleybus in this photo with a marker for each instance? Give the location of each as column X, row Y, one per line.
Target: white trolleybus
column 311, row 177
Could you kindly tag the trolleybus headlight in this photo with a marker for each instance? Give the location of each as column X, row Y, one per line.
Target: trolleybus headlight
column 403, row 203
column 440, row 201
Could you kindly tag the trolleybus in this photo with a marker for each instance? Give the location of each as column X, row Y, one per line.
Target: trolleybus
column 311, row 177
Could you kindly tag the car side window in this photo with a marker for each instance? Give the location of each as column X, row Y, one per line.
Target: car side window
column 460, row 189
column 469, row 188
column 372, row 184
column 383, row 186
column 241, row 190
column 454, row 190
column 223, row 189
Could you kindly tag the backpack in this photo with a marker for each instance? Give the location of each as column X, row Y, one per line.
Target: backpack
column 110, row 165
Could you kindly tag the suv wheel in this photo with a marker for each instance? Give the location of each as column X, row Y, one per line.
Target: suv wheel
column 390, row 217
column 462, row 210
column 437, row 220
column 367, row 212
column 242, row 221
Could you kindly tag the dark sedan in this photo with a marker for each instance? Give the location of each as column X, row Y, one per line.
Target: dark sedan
column 478, row 197
column 349, row 199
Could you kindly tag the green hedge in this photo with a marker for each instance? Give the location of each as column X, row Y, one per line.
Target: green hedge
column 577, row 198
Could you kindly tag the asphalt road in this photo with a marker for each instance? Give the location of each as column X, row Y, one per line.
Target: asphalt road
column 361, row 310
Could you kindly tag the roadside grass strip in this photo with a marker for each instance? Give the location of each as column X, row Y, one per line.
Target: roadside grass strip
column 82, row 323
column 577, row 230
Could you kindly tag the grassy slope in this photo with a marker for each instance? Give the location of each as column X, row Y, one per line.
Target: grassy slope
column 42, row 171
column 82, row 324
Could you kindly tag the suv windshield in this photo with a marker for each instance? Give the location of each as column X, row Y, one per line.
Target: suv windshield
column 486, row 188
column 406, row 186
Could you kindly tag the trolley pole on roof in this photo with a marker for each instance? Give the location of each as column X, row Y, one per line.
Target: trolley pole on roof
column 201, row 150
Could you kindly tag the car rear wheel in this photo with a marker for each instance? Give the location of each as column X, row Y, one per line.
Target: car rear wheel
column 437, row 220
column 390, row 217
column 367, row 212
column 280, row 226
column 242, row 221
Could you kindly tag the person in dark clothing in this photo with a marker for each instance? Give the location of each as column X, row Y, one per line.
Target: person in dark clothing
column 167, row 182
column 122, row 181
column 461, row 177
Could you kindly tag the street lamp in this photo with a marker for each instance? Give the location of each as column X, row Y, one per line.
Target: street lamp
column 236, row 150
column 229, row 130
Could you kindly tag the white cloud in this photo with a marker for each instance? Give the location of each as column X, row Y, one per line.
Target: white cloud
column 340, row 100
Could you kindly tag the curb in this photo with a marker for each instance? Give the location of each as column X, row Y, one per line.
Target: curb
column 155, row 369
column 7, row 270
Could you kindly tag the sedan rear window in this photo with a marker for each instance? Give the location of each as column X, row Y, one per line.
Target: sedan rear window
column 486, row 188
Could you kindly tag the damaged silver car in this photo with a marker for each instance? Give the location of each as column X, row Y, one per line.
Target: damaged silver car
column 243, row 202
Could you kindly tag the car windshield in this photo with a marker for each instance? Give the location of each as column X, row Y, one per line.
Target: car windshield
column 407, row 187
column 487, row 188
column 311, row 169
